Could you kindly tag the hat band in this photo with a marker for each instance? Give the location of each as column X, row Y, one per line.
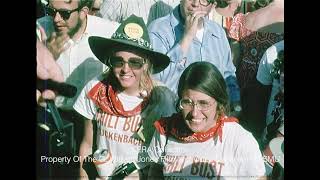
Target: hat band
column 140, row 41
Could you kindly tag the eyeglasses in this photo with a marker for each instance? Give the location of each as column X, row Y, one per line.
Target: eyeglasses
column 134, row 63
column 205, row 2
column 188, row 104
column 65, row 14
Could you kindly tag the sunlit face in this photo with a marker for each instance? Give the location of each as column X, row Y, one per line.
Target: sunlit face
column 68, row 25
column 129, row 77
column 190, row 6
column 199, row 120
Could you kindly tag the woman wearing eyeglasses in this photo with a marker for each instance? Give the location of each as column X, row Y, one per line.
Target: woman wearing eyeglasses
column 124, row 102
column 201, row 141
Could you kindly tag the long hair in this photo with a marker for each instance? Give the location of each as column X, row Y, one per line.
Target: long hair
column 206, row 78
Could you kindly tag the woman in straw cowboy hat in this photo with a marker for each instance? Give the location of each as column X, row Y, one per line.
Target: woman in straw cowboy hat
column 124, row 101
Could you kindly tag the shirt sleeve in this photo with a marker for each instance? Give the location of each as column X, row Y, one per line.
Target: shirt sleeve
column 111, row 10
column 249, row 157
column 161, row 43
column 263, row 74
column 156, row 148
column 83, row 104
column 236, row 26
column 230, row 72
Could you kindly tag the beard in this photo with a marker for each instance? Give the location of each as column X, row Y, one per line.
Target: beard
column 75, row 29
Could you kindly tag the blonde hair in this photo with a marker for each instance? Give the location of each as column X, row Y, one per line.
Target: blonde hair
column 146, row 81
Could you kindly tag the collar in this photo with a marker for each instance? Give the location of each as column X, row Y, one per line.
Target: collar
column 90, row 25
column 176, row 127
column 209, row 25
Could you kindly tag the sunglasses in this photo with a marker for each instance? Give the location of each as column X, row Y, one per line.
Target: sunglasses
column 134, row 63
column 188, row 104
column 65, row 14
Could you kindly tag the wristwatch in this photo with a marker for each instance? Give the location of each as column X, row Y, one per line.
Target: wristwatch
column 124, row 170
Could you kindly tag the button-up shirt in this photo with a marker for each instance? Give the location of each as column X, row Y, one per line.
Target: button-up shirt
column 78, row 63
column 165, row 35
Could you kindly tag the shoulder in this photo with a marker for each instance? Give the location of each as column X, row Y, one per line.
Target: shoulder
column 161, row 24
column 215, row 28
column 233, row 130
column 100, row 27
column 93, row 82
column 272, row 52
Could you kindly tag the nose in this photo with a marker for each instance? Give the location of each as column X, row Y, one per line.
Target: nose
column 195, row 110
column 125, row 68
column 57, row 17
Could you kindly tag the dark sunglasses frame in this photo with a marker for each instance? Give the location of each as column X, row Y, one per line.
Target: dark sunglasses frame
column 208, row 1
column 133, row 65
column 65, row 14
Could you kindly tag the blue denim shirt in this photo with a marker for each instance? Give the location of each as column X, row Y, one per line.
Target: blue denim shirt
column 165, row 34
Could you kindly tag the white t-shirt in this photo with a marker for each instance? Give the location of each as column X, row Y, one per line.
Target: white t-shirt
column 79, row 65
column 199, row 34
column 264, row 75
column 237, row 157
column 115, row 133
column 129, row 102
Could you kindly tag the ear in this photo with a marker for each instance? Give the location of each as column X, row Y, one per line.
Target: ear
column 84, row 12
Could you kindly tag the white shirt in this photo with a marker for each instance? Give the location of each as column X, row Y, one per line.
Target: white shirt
column 264, row 75
column 78, row 63
column 149, row 10
column 115, row 133
column 237, row 156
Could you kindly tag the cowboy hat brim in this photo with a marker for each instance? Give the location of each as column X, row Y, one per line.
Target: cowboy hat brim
column 103, row 47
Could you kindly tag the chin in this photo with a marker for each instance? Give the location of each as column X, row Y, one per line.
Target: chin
column 196, row 128
column 126, row 84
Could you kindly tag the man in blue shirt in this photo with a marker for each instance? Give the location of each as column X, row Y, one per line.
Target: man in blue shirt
column 187, row 35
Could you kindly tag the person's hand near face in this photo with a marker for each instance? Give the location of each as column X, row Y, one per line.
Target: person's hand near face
column 69, row 22
column 193, row 22
column 193, row 12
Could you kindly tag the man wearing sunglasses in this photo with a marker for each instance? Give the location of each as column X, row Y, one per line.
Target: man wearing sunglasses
column 68, row 34
column 186, row 36
column 72, row 26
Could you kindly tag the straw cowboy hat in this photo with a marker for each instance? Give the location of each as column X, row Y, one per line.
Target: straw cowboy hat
column 132, row 33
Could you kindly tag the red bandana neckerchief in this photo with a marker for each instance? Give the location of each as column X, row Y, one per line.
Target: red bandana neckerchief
column 104, row 96
column 179, row 130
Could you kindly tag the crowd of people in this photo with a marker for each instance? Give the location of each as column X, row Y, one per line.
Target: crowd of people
column 163, row 89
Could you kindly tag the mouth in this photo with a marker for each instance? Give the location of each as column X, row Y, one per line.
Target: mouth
column 196, row 121
column 125, row 77
column 59, row 28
